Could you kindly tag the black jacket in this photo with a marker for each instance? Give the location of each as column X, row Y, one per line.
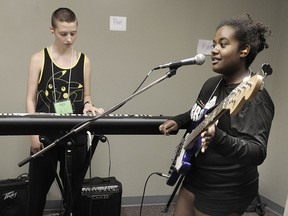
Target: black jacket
column 240, row 142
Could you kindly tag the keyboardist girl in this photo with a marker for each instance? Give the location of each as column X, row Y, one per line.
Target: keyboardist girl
column 58, row 82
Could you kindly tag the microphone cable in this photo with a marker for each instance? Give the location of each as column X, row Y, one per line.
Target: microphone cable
column 138, row 86
column 145, row 185
column 142, row 81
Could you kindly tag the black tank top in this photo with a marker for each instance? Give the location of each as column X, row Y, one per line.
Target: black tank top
column 47, row 90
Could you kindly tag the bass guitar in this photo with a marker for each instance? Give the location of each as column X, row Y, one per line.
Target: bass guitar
column 190, row 144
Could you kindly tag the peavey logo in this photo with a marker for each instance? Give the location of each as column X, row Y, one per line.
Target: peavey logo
column 10, row 195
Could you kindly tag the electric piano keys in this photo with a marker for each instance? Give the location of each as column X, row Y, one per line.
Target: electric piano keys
column 47, row 123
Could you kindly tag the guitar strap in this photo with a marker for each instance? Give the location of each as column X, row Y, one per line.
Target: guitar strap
column 206, row 99
column 209, row 89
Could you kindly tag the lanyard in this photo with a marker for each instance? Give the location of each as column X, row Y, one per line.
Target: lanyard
column 53, row 74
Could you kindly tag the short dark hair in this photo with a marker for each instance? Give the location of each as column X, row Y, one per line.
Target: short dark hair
column 63, row 15
column 247, row 32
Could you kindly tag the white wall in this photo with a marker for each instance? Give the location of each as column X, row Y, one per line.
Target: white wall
column 274, row 178
column 157, row 32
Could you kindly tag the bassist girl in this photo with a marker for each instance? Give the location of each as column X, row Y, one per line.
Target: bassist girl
column 223, row 178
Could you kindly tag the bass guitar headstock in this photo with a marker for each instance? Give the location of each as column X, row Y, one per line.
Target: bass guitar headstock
column 247, row 90
column 266, row 70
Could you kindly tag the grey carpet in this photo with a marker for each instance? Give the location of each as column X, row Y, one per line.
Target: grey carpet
column 156, row 210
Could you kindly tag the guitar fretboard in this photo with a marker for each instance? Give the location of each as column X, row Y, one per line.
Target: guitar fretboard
column 233, row 102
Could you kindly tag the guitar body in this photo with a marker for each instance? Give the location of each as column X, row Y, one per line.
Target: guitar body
column 182, row 160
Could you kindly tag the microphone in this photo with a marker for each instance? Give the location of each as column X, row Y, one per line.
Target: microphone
column 198, row 60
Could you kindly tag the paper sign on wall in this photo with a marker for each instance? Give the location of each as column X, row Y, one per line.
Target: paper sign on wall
column 204, row 47
column 118, row 23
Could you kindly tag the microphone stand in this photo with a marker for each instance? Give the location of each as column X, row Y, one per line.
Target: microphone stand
column 86, row 124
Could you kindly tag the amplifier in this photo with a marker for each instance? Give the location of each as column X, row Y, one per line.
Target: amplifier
column 101, row 197
column 13, row 196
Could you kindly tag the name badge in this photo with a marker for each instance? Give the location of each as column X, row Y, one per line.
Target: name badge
column 63, row 107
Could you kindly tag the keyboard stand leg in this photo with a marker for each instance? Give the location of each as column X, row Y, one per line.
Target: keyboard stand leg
column 87, row 161
column 76, row 187
column 68, row 179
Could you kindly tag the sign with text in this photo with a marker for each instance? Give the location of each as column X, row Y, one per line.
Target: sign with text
column 118, row 23
column 204, row 47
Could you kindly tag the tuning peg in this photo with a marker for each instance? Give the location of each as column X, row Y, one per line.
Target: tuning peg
column 266, row 69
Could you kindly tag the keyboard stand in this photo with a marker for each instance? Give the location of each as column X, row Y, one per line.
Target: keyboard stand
column 74, row 188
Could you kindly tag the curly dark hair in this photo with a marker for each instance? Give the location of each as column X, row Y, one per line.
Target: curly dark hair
column 63, row 15
column 247, row 32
